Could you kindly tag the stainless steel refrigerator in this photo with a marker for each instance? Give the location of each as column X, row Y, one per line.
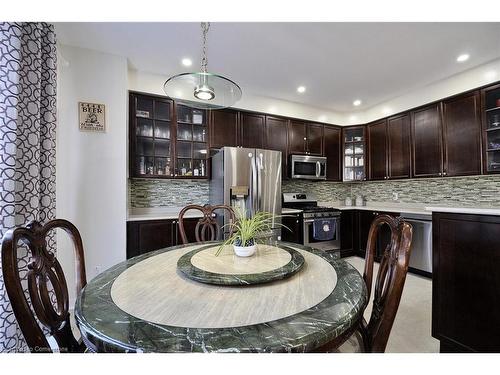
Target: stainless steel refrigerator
column 247, row 179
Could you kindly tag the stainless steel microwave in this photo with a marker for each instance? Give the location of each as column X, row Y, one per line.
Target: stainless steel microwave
column 308, row 167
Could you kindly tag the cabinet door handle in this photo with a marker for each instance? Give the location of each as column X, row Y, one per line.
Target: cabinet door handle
column 444, row 173
column 305, row 138
column 440, row 174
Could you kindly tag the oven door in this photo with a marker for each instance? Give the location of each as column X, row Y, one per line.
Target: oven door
column 308, row 167
column 309, row 240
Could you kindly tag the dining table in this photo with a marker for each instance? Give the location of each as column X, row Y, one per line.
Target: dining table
column 285, row 298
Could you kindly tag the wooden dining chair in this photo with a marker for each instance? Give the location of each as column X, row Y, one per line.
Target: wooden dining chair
column 47, row 308
column 373, row 336
column 207, row 228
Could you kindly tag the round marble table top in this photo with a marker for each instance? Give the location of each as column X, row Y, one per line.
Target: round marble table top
column 145, row 305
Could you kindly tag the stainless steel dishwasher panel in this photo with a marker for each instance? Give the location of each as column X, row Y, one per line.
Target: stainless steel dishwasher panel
column 421, row 248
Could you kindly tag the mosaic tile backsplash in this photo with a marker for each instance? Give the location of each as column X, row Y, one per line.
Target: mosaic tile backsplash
column 167, row 193
column 465, row 191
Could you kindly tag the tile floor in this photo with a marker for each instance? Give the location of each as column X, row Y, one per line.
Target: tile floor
column 411, row 332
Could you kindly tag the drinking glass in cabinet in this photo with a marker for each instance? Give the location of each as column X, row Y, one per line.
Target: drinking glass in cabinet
column 184, row 167
column 184, row 149
column 494, row 120
column 162, row 110
column 349, row 161
column 199, row 133
column 162, row 166
column 184, row 132
column 358, row 149
column 349, row 150
column 358, row 175
column 144, row 127
column 162, row 129
column 184, row 114
column 145, row 165
column 199, row 168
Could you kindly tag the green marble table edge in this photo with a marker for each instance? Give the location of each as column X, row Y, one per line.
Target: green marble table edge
column 302, row 332
column 189, row 270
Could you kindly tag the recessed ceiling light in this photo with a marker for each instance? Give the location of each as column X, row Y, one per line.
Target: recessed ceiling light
column 463, row 57
column 187, row 62
column 356, row 103
column 301, row 89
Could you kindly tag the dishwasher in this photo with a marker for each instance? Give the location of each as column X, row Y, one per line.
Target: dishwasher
column 421, row 248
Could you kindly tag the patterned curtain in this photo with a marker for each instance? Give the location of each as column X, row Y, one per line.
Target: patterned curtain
column 27, row 141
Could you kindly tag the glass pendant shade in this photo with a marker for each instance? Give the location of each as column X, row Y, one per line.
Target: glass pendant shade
column 202, row 90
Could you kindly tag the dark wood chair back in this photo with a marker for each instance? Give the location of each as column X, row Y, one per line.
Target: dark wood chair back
column 48, row 304
column 207, row 228
column 389, row 282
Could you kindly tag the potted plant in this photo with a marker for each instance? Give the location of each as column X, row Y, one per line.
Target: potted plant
column 247, row 232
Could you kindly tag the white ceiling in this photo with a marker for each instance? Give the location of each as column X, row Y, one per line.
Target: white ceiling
column 337, row 62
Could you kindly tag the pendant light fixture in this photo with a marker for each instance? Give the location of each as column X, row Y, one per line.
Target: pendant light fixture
column 203, row 90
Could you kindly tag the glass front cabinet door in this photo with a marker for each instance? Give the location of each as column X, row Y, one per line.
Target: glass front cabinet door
column 166, row 140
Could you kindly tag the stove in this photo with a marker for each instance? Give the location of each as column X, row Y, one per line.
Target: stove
column 312, row 213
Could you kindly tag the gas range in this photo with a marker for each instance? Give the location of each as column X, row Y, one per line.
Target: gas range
column 309, row 205
column 312, row 213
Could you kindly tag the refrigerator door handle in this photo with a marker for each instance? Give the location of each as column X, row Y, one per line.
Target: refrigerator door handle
column 253, row 184
column 260, row 166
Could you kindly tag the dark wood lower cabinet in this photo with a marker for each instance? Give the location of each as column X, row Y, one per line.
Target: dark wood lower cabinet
column 466, row 282
column 148, row 235
column 347, row 230
column 294, row 223
column 364, row 222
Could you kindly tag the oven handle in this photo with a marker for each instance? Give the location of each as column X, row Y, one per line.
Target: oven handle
column 318, row 168
column 312, row 220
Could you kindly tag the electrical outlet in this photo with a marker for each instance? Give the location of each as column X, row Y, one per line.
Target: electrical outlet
column 395, row 196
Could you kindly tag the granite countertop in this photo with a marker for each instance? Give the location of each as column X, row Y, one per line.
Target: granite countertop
column 424, row 209
column 159, row 213
column 162, row 213
column 406, row 208
column 106, row 327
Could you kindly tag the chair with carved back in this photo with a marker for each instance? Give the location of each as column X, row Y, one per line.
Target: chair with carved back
column 48, row 305
column 374, row 335
column 207, row 228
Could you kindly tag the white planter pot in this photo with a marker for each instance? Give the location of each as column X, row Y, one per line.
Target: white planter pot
column 244, row 251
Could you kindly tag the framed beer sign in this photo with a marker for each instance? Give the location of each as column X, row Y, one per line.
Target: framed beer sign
column 92, row 117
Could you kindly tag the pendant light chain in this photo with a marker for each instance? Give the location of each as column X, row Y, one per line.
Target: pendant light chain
column 204, row 60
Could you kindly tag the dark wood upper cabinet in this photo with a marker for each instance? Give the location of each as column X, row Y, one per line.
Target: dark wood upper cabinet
column 462, row 135
column 399, row 142
column 305, row 138
column 427, row 145
column 276, row 138
column 314, row 141
column 333, row 148
column 252, row 130
column 377, row 150
column 297, row 135
column 223, row 128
